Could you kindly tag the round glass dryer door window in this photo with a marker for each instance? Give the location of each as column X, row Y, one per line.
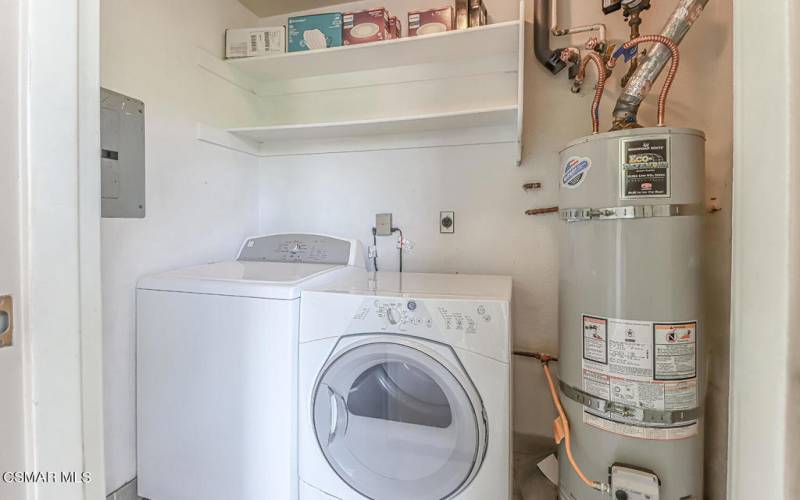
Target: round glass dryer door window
column 395, row 423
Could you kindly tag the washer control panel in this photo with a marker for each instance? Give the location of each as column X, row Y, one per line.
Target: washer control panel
column 299, row 248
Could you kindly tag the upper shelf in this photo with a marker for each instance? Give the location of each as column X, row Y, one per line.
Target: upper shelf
column 478, row 44
column 398, row 125
column 462, row 87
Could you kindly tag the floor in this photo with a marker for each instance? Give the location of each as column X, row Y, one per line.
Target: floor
column 127, row 492
column 529, row 482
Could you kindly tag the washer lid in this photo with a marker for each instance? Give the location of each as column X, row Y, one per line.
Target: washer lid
column 269, row 280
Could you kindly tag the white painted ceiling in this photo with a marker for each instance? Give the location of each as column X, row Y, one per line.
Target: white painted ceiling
column 266, row 8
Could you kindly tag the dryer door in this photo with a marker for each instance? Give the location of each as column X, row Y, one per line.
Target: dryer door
column 396, row 420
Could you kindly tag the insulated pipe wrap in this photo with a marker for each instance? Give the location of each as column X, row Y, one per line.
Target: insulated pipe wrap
column 640, row 84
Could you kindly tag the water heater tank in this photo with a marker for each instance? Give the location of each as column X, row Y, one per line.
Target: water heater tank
column 631, row 313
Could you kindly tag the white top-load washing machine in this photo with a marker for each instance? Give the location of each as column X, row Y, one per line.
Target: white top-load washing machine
column 404, row 388
column 217, row 365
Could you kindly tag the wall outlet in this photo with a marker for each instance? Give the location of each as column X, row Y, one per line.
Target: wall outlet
column 383, row 224
column 447, row 222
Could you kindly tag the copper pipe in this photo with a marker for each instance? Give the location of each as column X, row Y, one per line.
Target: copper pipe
column 541, row 211
column 530, row 186
column 570, row 55
column 543, row 357
column 601, row 85
column 562, row 422
column 673, row 68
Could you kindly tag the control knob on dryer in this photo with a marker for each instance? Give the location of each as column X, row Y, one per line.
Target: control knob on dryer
column 392, row 315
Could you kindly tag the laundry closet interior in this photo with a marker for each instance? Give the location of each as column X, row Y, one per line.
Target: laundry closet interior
column 410, row 183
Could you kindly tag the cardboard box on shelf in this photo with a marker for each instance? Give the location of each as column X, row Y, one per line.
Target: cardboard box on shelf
column 462, row 14
column 478, row 15
column 365, row 26
column 318, row 31
column 395, row 28
column 426, row 22
column 252, row 42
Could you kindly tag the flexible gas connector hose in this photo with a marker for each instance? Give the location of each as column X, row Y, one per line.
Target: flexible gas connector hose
column 673, row 68
column 567, row 440
column 601, row 85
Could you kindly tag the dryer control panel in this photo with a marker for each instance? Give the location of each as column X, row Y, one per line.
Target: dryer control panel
column 481, row 326
column 402, row 315
column 299, row 248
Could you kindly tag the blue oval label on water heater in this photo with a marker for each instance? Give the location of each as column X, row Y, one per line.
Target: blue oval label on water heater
column 575, row 171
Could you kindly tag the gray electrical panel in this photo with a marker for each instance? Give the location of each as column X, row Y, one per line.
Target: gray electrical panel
column 122, row 156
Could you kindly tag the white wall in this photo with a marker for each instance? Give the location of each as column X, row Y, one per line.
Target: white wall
column 793, row 408
column 765, row 373
column 60, row 242
column 12, row 439
column 201, row 200
column 340, row 193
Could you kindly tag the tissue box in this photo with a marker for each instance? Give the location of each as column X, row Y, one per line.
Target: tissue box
column 315, row 32
column 250, row 42
column 365, row 26
column 426, row 22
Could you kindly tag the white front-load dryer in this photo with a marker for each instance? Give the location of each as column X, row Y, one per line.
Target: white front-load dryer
column 217, row 369
column 404, row 388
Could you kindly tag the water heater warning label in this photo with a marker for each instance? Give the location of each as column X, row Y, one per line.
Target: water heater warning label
column 675, row 351
column 670, row 433
column 595, row 340
column 641, row 364
column 645, row 168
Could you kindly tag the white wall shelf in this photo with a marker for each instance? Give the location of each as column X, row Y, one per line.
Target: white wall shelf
column 454, row 88
column 481, row 126
column 478, row 45
column 381, row 126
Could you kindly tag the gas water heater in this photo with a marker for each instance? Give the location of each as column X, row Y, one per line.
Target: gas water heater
column 630, row 312
column 631, row 383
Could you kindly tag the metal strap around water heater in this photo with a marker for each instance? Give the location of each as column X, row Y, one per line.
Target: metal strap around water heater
column 629, row 212
column 643, row 415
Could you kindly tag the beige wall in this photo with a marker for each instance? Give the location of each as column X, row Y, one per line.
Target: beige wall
column 340, row 193
column 201, row 199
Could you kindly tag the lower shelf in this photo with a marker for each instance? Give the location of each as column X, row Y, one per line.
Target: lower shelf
column 482, row 126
